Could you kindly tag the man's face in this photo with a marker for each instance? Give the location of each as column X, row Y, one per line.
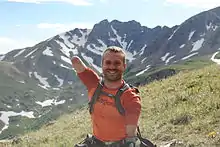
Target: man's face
column 113, row 66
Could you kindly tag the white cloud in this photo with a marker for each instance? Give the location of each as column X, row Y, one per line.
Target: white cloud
column 74, row 2
column 208, row 4
column 8, row 44
column 59, row 28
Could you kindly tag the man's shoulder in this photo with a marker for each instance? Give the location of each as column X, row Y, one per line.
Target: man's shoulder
column 131, row 91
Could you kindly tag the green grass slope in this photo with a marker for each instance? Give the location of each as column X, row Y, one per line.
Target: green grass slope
column 185, row 107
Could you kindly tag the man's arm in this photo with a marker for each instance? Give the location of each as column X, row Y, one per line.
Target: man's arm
column 132, row 105
column 77, row 64
column 131, row 130
column 88, row 77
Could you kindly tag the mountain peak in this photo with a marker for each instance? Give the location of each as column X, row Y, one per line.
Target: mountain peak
column 105, row 21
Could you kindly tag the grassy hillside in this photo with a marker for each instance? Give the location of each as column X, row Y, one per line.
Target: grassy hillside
column 185, row 107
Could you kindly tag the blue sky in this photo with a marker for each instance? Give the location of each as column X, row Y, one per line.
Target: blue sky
column 27, row 22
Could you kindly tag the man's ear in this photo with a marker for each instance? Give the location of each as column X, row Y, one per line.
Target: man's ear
column 125, row 65
column 101, row 62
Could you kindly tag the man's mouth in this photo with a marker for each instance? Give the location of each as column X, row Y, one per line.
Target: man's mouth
column 112, row 71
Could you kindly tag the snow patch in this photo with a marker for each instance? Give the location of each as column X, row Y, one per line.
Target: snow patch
column 67, row 60
column 165, row 56
column 197, row 45
column 215, row 60
column 19, row 53
column 202, row 35
column 130, row 44
column 5, row 115
column 214, row 27
column 186, row 57
column 50, row 102
column 9, row 106
column 66, row 41
column 69, row 44
column 190, row 35
column 64, row 49
column 143, row 59
column 168, row 59
column 171, row 36
column 182, row 45
column 29, row 74
column 102, row 43
column 23, row 82
column 129, row 56
column 141, row 72
column 209, row 26
column 31, row 53
column 119, row 39
column 65, row 66
column 96, row 51
column 80, row 41
column 2, row 57
column 59, row 80
column 42, row 81
column 142, row 50
column 48, row 52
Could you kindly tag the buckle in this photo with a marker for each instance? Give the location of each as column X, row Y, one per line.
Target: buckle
column 109, row 143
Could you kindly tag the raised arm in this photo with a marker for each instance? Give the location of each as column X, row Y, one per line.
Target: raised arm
column 78, row 64
column 89, row 78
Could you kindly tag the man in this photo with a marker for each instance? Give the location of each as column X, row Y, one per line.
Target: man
column 109, row 126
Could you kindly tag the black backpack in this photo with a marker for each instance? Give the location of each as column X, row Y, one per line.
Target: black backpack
column 98, row 92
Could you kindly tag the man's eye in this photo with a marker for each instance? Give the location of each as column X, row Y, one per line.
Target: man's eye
column 108, row 62
column 117, row 63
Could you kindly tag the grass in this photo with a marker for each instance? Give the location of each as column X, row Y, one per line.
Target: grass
column 185, row 107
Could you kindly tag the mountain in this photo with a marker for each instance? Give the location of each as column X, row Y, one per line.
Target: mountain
column 39, row 82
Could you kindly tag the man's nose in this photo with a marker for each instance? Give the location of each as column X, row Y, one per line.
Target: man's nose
column 112, row 66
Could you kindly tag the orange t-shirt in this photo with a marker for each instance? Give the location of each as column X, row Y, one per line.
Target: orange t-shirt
column 108, row 123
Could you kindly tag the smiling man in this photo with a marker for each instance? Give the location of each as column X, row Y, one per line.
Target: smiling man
column 114, row 118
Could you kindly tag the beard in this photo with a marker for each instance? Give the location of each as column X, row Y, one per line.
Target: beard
column 112, row 76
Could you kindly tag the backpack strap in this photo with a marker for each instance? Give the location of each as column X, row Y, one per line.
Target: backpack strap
column 118, row 104
column 139, row 132
column 144, row 141
column 116, row 97
column 96, row 95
